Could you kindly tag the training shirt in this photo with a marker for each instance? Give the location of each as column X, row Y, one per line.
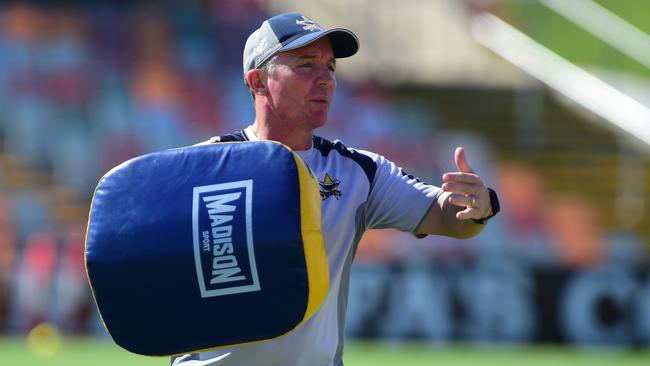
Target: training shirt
column 360, row 190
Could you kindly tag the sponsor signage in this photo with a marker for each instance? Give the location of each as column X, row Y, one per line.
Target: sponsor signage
column 223, row 238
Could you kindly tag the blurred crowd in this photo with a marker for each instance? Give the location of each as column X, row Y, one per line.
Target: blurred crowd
column 85, row 87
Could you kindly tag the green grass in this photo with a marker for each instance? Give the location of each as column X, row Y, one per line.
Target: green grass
column 72, row 352
column 412, row 354
column 102, row 352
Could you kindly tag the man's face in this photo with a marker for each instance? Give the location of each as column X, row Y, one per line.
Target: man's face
column 301, row 85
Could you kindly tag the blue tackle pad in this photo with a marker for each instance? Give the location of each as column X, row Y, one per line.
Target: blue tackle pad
column 206, row 246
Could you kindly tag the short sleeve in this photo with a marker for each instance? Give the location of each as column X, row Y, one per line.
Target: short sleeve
column 397, row 200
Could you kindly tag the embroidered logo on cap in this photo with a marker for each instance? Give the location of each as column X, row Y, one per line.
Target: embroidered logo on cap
column 308, row 24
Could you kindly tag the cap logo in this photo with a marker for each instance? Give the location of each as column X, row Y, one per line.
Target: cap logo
column 308, row 24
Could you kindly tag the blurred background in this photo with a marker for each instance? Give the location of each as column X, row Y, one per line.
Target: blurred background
column 550, row 98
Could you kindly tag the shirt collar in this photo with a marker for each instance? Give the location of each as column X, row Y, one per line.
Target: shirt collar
column 304, row 154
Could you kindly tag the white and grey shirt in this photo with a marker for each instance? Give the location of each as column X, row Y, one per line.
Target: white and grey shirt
column 360, row 190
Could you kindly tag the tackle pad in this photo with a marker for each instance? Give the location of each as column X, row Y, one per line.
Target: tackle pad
column 206, row 246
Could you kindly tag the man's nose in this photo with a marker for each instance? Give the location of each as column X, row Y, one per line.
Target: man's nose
column 326, row 78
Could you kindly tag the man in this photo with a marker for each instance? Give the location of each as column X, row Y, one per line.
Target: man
column 289, row 66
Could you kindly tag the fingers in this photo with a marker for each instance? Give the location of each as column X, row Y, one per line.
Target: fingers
column 461, row 161
column 465, row 202
column 469, row 178
column 462, row 200
column 472, row 206
column 465, row 214
column 466, row 189
column 473, row 188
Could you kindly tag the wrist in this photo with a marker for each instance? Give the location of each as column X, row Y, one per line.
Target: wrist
column 495, row 207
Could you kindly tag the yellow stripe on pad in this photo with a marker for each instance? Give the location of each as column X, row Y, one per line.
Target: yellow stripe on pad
column 312, row 228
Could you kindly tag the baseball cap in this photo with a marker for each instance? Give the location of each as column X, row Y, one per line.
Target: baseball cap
column 288, row 31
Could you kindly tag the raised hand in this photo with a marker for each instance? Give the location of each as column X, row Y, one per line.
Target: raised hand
column 467, row 189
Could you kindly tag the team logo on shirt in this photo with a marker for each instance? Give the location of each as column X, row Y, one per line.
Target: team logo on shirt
column 308, row 24
column 329, row 187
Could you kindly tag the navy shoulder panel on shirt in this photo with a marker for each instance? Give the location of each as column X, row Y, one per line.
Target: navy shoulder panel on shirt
column 231, row 137
column 366, row 163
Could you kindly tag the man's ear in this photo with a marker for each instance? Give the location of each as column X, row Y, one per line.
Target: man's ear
column 255, row 80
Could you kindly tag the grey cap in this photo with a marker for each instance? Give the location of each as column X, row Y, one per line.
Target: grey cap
column 289, row 31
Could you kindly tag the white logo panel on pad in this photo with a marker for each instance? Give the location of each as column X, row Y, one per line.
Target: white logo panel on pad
column 223, row 238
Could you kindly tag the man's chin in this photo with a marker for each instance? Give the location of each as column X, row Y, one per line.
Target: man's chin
column 319, row 120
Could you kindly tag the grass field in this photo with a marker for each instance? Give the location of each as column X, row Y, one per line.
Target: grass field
column 102, row 352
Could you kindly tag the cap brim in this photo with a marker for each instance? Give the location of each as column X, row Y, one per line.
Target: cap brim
column 344, row 42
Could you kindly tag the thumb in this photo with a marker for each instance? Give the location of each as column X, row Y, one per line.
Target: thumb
column 461, row 161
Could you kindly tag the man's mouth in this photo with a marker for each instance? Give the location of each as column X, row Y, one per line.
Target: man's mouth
column 322, row 100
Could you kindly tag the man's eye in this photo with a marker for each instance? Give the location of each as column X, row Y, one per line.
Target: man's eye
column 306, row 65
